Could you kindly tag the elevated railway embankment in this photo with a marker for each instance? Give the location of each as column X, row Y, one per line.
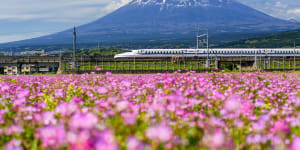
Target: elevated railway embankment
column 46, row 64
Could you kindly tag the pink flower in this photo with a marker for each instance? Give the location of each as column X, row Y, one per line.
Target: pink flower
column 280, row 125
column 106, row 141
column 97, row 68
column 215, row 140
column 83, row 121
column 19, row 102
column 23, row 93
column 296, row 144
column 122, row 105
column 13, row 145
column 46, row 118
column 232, row 104
column 246, row 107
column 4, row 87
column 14, row 129
column 77, row 99
column 102, row 90
column 129, row 118
column 66, row 109
column 218, row 139
column 52, row 136
column 134, row 144
column 59, row 93
column 79, row 141
column 159, row 133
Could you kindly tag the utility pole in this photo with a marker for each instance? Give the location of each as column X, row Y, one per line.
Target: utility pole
column 207, row 45
column 255, row 60
column 294, row 55
column 74, row 47
column 60, row 61
column 241, row 63
column 197, row 47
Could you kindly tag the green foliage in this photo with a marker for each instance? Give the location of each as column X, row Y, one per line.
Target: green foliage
column 94, row 52
column 277, row 40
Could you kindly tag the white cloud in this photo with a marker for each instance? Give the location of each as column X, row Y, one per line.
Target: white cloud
column 76, row 11
column 276, row 8
column 294, row 11
column 52, row 12
column 280, row 5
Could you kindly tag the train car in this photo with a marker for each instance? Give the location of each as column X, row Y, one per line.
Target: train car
column 157, row 53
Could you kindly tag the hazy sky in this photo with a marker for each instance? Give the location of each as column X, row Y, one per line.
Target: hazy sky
column 22, row 19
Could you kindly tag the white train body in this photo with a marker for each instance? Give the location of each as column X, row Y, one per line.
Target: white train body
column 144, row 53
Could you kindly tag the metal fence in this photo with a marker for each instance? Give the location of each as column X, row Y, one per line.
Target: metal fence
column 198, row 64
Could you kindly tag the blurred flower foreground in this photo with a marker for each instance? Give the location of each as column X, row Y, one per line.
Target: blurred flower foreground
column 212, row 111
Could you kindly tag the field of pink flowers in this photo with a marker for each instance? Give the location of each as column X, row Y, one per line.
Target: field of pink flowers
column 162, row 111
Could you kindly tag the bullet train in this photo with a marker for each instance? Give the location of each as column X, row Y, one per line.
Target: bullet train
column 144, row 53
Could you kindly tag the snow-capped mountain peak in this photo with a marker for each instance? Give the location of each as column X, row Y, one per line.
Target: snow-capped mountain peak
column 181, row 3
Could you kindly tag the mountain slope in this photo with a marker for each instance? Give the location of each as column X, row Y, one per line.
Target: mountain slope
column 154, row 19
column 277, row 40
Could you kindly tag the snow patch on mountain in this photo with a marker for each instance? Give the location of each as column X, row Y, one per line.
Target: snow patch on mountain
column 182, row 3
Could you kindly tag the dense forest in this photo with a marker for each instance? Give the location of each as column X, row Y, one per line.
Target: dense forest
column 277, row 40
column 94, row 52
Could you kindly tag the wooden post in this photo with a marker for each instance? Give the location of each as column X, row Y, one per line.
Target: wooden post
column 147, row 65
column 122, row 65
column 102, row 64
column 294, row 55
column 264, row 63
column 166, row 64
column 89, row 64
column 259, row 62
column 184, row 63
column 269, row 63
column 160, row 65
column 83, row 63
column 216, row 63
column 109, row 65
column 134, row 64
column 283, row 62
column 173, row 65
column 241, row 63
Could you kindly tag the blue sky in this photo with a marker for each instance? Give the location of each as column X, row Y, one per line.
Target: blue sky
column 22, row 19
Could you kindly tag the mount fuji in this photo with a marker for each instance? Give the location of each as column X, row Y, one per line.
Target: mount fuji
column 158, row 19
